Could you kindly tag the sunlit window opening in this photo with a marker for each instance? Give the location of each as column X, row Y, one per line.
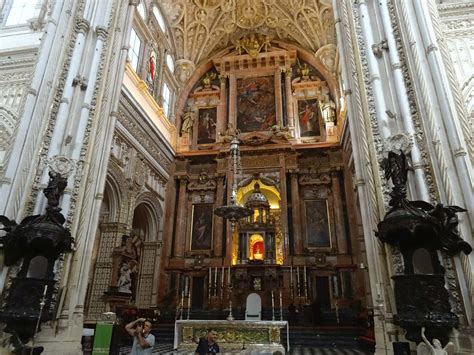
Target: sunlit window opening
column 134, row 52
column 159, row 18
column 21, row 11
column 170, row 62
column 166, row 99
column 141, row 10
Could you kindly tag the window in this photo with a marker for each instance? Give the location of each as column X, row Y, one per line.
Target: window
column 21, row 11
column 159, row 18
column 170, row 62
column 134, row 51
column 166, row 99
column 141, row 10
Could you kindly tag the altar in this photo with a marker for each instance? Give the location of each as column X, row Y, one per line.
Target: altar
column 238, row 336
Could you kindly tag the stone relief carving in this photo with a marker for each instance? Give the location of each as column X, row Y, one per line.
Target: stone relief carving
column 61, row 165
column 329, row 57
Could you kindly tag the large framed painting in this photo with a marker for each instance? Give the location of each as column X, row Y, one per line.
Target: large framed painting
column 201, row 233
column 207, row 125
column 318, row 228
column 256, row 103
column 308, row 118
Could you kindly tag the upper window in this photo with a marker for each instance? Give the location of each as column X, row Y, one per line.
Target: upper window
column 166, row 99
column 141, row 10
column 170, row 62
column 20, row 11
column 159, row 18
column 134, row 51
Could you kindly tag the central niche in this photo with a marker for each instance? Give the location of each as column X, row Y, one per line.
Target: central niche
column 256, row 103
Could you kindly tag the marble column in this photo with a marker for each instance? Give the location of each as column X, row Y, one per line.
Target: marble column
column 221, row 124
column 232, row 100
column 289, row 101
column 338, row 213
column 296, row 208
column 278, row 98
column 180, row 232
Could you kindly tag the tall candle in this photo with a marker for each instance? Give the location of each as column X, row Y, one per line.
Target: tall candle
column 291, row 276
column 182, row 300
column 273, row 302
column 228, row 276
column 304, row 274
column 189, row 300
column 210, row 278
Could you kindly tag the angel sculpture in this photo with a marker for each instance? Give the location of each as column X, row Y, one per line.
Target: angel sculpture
column 426, row 348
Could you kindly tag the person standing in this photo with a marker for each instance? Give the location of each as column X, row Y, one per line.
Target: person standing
column 143, row 340
column 208, row 345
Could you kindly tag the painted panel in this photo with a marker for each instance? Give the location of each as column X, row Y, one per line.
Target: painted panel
column 308, row 118
column 207, row 125
column 201, row 235
column 256, row 103
column 318, row 232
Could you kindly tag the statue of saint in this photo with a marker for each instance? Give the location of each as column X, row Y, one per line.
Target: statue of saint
column 124, row 283
column 188, row 122
column 328, row 110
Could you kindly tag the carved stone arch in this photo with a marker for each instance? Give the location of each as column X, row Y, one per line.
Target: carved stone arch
column 116, row 187
column 154, row 212
column 8, row 121
column 307, row 56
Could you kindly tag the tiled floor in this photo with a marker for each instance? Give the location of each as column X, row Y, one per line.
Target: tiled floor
column 297, row 350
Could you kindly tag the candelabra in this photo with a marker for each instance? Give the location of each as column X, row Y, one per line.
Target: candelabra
column 230, row 316
column 234, row 212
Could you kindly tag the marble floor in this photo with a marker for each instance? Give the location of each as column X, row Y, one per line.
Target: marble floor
column 296, row 350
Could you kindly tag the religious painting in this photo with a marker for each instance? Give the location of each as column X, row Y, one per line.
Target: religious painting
column 201, row 233
column 256, row 103
column 318, row 231
column 308, row 118
column 207, row 125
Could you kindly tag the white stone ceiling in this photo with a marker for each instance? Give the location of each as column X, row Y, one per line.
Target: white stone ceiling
column 202, row 27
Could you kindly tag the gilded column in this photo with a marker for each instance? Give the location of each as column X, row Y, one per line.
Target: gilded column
column 278, row 99
column 296, row 208
column 180, row 237
column 219, row 221
column 338, row 213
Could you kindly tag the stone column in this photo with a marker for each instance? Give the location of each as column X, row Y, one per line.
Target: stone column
column 289, row 101
column 232, row 100
column 218, row 221
column 278, row 98
column 221, row 124
column 296, row 208
column 180, row 232
column 339, row 226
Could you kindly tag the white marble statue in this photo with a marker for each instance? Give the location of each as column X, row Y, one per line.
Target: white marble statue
column 124, row 283
column 426, row 348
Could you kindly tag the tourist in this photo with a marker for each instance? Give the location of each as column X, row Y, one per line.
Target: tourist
column 143, row 340
column 208, row 345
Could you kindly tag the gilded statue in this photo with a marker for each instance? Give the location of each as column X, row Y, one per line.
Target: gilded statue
column 208, row 79
column 281, row 132
column 228, row 134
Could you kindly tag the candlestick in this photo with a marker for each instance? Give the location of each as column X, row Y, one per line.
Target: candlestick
column 305, row 284
column 215, row 281
column 45, row 290
column 291, row 281
column 228, row 275
column 189, row 303
column 222, row 278
column 281, row 307
column 298, row 280
column 182, row 301
column 273, row 307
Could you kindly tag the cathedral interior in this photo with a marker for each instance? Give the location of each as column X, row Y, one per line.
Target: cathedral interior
column 288, row 163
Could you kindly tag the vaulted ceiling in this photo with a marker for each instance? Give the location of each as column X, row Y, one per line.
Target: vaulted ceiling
column 200, row 28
